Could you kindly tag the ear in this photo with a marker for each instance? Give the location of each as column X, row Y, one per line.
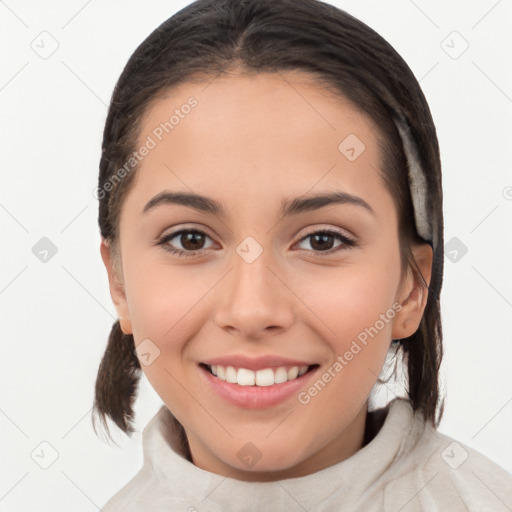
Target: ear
column 117, row 291
column 413, row 294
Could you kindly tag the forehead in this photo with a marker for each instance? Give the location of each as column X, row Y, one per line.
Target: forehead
column 268, row 101
column 278, row 132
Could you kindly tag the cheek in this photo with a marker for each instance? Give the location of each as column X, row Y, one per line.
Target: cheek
column 166, row 308
column 351, row 299
column 355, row 305
column 163, row 300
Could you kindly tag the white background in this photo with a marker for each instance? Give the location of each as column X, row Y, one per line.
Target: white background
column 56, row 316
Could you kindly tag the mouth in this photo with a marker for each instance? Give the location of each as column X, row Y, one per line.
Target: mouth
column 256, row 382
column 263, row 377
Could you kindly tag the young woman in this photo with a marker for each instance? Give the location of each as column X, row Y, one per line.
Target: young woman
column 271, row 220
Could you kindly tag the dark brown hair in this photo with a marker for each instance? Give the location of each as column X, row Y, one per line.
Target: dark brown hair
column 343, row 56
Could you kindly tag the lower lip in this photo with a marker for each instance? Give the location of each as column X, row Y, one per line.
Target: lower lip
column 256, row 397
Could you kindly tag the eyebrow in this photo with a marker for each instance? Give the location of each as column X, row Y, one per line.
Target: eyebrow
column 288, row 207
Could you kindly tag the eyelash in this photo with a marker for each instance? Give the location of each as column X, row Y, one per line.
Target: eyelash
column 347, row 242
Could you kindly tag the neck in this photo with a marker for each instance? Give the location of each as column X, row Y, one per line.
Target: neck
column 349, row 442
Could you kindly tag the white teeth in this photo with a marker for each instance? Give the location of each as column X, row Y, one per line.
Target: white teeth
column 231, row 375
column 293, row 372
column 303, row 370
column 281, row 375
column 246, row 377
column 265, row 377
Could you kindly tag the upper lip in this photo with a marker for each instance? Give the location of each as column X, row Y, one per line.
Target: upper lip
column 255, row 363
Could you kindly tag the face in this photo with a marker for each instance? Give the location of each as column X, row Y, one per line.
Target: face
column 232, row 264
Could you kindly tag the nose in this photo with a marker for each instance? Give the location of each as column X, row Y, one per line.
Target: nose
column 254, row 300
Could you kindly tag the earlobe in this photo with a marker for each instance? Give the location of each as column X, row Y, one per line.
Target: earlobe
column 413, row 298
column 116, row 285
column 408, row 319
column 126, row 325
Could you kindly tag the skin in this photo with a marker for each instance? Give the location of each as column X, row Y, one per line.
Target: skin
column 250, row 143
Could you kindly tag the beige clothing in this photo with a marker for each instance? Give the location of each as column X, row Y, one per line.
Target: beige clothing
column 407, row 466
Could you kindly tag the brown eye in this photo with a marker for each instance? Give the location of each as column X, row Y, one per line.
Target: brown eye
column 191, row 242
column 323, row 241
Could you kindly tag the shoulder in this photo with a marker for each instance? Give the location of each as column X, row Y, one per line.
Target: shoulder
column 126, row 498
column 435, row 472
column 145, row 492
column 161, row 483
